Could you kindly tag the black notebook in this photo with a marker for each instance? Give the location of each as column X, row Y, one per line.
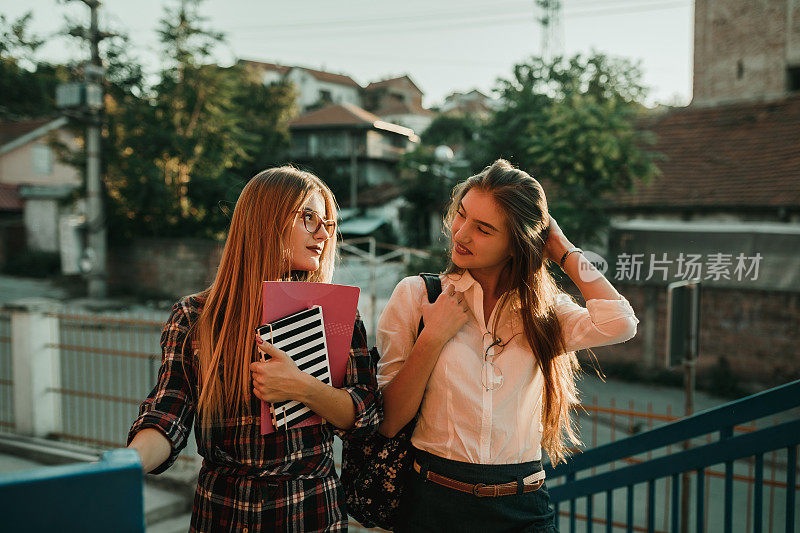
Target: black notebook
column 302, row 336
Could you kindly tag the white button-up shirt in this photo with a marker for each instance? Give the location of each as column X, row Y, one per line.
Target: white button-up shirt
column 461, row 420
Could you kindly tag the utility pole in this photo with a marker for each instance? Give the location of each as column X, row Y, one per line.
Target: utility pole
column 95, row 254
column 552, row 30
column 683, row 335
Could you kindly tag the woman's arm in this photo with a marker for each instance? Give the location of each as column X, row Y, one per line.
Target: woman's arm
column 334, row 405
column 153, row 448
column 402, row 396
column 165, row 418
column 608, row 317
column 589, row 280
column 278, row 379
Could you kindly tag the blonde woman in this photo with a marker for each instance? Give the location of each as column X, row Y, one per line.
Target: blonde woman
column 493, row 372
column 211, row 377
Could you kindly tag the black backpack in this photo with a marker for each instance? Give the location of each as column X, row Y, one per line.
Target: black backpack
column 374, row 467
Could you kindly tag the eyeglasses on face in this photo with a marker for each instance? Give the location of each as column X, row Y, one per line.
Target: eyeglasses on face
column 313, row 222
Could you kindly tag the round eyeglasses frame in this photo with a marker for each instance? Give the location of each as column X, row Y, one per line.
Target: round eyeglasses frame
column 315, row 222
column 491, row 375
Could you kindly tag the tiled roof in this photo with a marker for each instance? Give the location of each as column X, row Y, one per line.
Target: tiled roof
column 320, row 75
column 336, row 115
column 330, row 77
column 398, row 107
column 745, row 154
column 13, row 130
column 280, row 69
column 393, row 82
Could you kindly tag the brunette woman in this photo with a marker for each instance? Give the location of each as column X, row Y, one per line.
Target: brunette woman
column 493, row 372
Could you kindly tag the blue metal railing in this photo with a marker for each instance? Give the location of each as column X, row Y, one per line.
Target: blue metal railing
column 87, row 497
column 727, row 449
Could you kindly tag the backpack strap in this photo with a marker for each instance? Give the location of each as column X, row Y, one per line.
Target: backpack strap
column 433, row 286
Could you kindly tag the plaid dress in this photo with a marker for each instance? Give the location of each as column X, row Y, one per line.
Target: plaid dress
column 284, row 481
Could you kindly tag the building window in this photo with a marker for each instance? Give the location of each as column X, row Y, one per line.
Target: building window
column 793, row 78
column 42, row 159
column 312, row 145
column 739, row 69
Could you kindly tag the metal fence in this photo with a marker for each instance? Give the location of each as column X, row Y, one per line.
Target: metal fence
column 108, row 365
column 6, row 373
column 733, row 464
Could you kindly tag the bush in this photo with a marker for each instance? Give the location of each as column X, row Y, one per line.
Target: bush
column 33, row 264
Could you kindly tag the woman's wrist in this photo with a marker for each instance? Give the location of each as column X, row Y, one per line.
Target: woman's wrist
column 305, row 386
column 563, row 245
column 560, row 247
column 431, row 341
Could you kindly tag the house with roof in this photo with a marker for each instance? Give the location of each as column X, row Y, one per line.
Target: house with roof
column 725, row 208
column 34, row 183
column 473, row 103
column 398, row 100
column 361, row 153
column 315, row 88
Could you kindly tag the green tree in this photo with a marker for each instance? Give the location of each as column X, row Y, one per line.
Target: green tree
column 457, row 132
column 268, row 110
column 178, row 152
column 572, row 124
column 426, row 184
column 202, row 138
column 26, row 83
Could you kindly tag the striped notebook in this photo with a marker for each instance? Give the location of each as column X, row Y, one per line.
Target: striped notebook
column 302, row 336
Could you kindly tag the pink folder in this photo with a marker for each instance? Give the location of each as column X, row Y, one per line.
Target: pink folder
column 339, row 303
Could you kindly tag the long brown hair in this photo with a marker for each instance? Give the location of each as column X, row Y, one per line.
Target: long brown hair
column 256, row 250
column 526, row 277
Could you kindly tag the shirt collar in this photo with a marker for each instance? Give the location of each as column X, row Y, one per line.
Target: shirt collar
column 462, row 281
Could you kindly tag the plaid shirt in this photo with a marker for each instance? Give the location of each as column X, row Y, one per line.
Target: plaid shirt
column 284, row 481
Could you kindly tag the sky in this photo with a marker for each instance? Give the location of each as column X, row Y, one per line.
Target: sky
column 444, row 46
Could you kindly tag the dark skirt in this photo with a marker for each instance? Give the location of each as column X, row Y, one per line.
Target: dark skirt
column 428, row 506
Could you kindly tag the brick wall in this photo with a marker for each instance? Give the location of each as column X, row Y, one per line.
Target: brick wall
column 758, row 332
column 763, row 35
column 163, row 267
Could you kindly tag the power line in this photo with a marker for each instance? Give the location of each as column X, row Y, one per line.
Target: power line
column 468, row 20
column 417, row 17
column 475, row 16
column 410, row 32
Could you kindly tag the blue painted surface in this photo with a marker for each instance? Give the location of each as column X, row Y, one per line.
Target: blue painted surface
column 747, row 409
column 87, row 497
column 725, row 450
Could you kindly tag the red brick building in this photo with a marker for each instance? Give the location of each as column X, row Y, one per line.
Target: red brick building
column 726, row 207
column 745, row 50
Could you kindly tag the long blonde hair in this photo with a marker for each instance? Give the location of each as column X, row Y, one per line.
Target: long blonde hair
column 256, row 250
column 523, row 201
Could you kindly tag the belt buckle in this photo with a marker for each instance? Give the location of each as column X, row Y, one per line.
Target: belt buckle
column 478, row 486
